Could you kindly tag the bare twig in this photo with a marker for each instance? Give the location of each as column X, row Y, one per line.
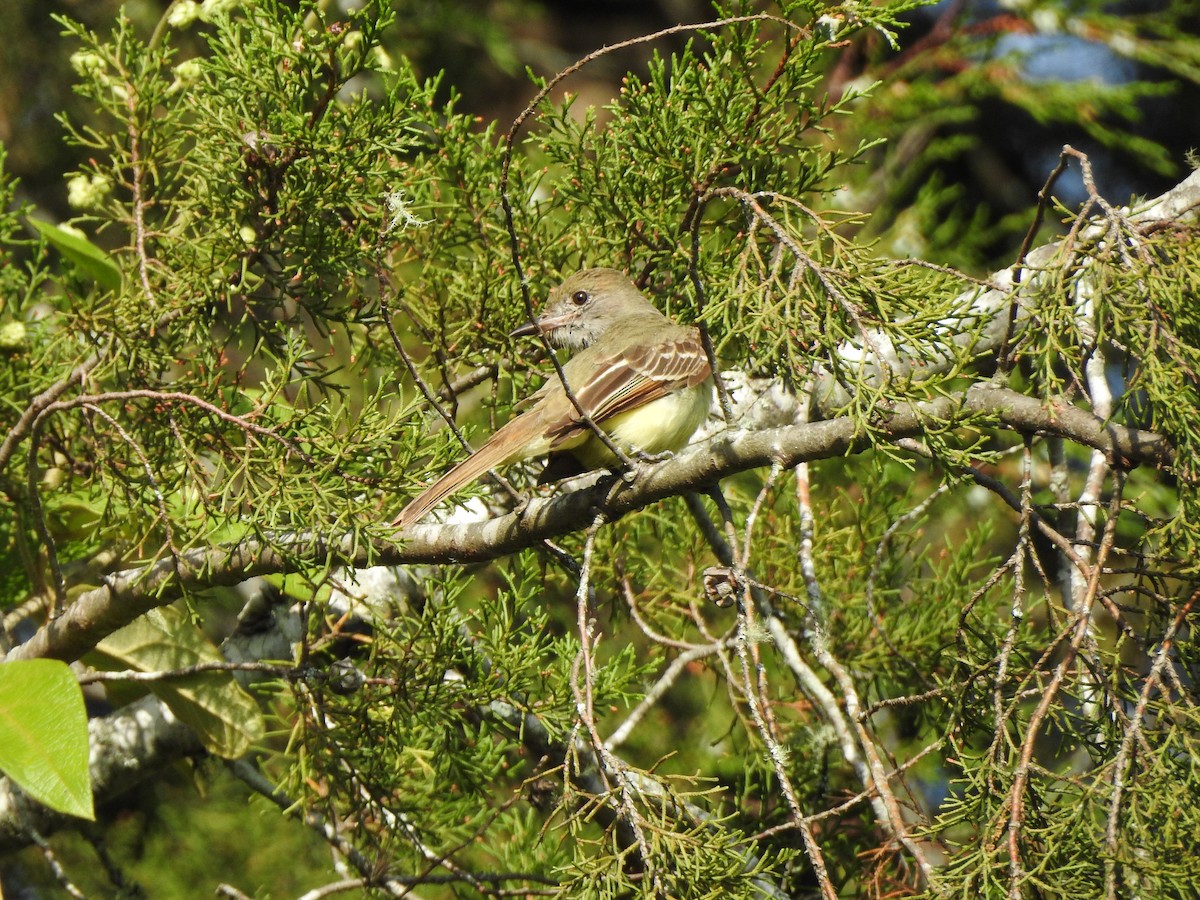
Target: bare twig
column 278, row 671
column 1004, row 357
column 245, row 423
column 60, row 874
column 725, row 549
column 1124, row 758
column 874, row 778
column 1079, row 632
column 583, row 685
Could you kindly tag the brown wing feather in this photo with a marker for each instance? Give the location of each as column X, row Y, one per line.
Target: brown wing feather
column 637, row 376
column 517, row 439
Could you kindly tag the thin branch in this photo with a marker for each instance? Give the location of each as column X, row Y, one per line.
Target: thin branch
column 160, row 501
column 993, row 305
column 137, row 188
column 1079, row 631
column 56, row 868
column 278, row 671
column 1124, row 758
column 242, row 422
column 862, row 796
column 1016, row 615
column 706, row 340
column 396, row 885
column 338, row 887
column 1005, row 358
column 725, row 550
column 873, row 777
column 664, row 683
column 613, row 771
column 875, row 342
column 37, row 406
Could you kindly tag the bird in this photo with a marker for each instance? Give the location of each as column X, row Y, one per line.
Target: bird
column 643, row 379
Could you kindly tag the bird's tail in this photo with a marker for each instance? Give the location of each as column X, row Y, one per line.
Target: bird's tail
column 509, row 443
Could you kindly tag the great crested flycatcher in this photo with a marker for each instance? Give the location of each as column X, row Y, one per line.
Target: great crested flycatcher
column 642, row 379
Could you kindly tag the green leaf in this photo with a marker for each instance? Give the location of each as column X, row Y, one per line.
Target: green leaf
column 44, row 735
column 91, row 261
column 213, row 704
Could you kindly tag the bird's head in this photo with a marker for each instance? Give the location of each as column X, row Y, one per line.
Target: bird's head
column 585, row 306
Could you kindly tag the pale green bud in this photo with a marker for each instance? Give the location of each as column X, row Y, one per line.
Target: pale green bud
column 186, row 73
column 12, row 336
column 87, row 64
column 212, row 9
column 183, row 13
column 88, row 192
column 383, row 59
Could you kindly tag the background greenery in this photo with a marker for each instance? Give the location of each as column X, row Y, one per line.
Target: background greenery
column 270, row 189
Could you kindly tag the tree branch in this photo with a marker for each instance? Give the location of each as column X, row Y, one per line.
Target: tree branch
column 1002, row 306
column 128, row 594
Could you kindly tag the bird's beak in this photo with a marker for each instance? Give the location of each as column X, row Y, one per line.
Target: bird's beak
column 542, row 325
column 526, row 330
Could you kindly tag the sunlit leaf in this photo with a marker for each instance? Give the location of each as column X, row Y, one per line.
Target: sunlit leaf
column 86, row 256
column 44, row 734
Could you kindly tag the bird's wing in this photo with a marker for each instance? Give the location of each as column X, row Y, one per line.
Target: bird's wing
column 637, row 375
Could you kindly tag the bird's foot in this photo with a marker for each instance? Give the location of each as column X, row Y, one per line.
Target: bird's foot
column 650, row 458
column 522, row 504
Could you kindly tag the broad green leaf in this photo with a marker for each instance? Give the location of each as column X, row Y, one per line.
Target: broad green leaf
column 213, row 704
column 87, row 257
column 44, row 734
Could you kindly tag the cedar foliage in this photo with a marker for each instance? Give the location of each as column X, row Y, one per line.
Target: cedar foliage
column 271, row 204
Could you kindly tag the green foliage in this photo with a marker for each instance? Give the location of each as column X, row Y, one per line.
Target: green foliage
column 1157, row 342
column 293, row 246
column 90, row 260
column 151, row 830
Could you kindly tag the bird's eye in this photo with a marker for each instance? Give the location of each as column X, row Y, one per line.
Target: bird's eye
column 579, row 298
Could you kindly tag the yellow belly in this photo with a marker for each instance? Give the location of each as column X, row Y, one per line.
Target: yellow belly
column 661, row 425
